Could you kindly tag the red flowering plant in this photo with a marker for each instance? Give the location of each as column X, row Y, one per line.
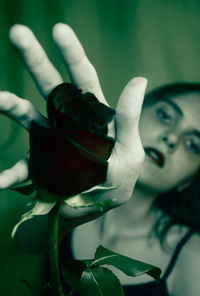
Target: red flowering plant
column 68, row 159
column 69, row 154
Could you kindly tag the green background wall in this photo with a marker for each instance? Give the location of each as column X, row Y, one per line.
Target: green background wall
column 158, row 39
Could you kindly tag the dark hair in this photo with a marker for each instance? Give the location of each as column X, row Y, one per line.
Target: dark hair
column 179, row 208
column 170, row 90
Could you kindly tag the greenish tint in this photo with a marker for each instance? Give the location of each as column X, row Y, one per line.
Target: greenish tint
column 55, row 283
column 129, row 266
column 90, row 278
column 125, row 38
column 99, row 281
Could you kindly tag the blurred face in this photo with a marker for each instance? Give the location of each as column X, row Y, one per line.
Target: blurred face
column 170, row 133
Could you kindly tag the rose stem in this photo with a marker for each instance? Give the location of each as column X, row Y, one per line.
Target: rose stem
column 53, row 251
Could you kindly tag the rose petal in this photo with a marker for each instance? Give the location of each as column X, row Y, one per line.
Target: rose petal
column 99, row 145
column 59, row 166
column 69, row 109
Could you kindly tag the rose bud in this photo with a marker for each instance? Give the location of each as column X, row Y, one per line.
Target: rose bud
column 71, row 155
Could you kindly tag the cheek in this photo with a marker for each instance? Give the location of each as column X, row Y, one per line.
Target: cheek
column 148, row 126
column 185, row 166
column 179, row 168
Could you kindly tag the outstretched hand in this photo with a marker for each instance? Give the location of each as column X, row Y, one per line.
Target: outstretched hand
column 127, row 155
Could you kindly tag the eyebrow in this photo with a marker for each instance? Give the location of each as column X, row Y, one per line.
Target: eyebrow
column 175, row 107
column 180, row 112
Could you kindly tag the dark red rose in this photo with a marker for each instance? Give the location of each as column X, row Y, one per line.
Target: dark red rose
column 71, row 155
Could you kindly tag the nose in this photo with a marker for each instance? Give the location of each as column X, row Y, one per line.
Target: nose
column 171, row 140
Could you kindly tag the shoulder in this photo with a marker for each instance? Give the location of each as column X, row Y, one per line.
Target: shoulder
column 190, row 251
column 185, row 279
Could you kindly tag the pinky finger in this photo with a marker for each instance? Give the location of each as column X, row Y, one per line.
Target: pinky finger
column 16, row 174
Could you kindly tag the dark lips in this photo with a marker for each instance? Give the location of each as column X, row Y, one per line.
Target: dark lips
column 156, row 156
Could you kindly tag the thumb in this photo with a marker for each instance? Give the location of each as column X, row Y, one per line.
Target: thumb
column 129, row 109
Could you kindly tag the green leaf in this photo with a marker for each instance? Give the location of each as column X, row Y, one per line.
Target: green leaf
column 99, row 281
column 72, row 271
column 99, row 188
column 129, row 266
column 24, row 218
column 40, row 208
column 91, row 198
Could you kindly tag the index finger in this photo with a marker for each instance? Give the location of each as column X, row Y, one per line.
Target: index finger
column 81, row 71
column 44, row 74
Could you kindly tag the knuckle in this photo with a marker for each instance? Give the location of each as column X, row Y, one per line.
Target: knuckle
column 24, row 110
column 26, row 106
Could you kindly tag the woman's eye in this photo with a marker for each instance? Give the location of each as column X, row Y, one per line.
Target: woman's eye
column 193, row 146
column 163, row 115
